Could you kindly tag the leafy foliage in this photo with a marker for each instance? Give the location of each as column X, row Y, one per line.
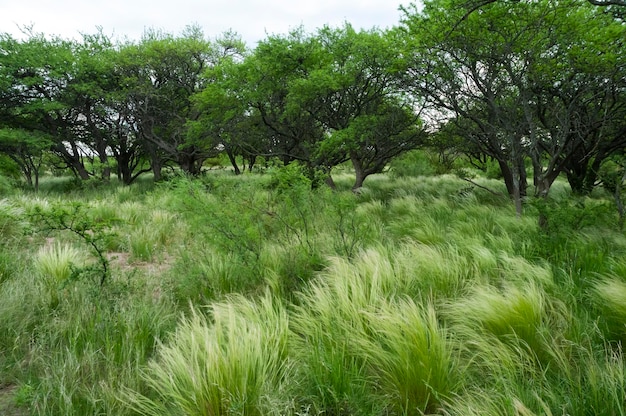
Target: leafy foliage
column 76, row 219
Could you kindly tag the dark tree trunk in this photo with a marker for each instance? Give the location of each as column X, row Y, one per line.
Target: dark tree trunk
column 233, row 161
column 80, row 170
column 157, row 167
column 330, row 182
column 592, row 173
column 515, row 185
column 251, row 162
column 125, row 173
column 359, row 172
column 577, row 181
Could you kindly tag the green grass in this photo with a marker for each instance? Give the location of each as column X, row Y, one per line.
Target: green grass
column 243, row 296
column 57, row 262
column 233, row 364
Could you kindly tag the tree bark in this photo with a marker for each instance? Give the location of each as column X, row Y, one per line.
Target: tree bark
column 233, row 161
column 359, row 172
column 515, row 185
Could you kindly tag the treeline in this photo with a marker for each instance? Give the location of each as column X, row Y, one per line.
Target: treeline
column 536, row 86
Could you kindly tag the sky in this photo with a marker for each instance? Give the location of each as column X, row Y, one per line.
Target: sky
column 253, row 20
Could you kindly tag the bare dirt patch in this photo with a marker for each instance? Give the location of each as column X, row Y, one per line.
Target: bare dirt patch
column 8, row 407
column 122, row 261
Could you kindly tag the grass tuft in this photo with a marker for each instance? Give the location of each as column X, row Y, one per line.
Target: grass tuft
column 56, row 262
column 231, row 365
column 608, row 296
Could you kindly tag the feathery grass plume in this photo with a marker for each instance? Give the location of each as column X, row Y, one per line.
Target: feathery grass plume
column 226, row 273
column 56, row 262
column 188, row 277
column 482, row 261
column 234, row 365
column 410, row 358
column 330, row 328
column 132, row 212
column 361, row 282
column 412, row 269
column 517, row 269
column 103, row 211
column 409, row 218
column 287, row 268
column 152, row 233
column 442, row 186
column 23, row 306
column 608, row 296
column 602, row 388
column 166, row 226
column 125, row 193
column 427, row 272
column 404, row 206
column 12, row 221
column 493, row 402
column 351, row 340
column 374, row 209
column 515, row 316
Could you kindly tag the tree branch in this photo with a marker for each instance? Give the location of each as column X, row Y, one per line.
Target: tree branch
column 608, row 2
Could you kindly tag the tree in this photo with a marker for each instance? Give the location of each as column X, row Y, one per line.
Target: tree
column 267, row 78
column 354, row 95
column 166, row 73
column 226, row 118
column 524, row 81
column 34, row 75
column 26, row 149
column 331, row 97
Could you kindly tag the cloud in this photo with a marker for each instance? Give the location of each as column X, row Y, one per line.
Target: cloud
column 251, row 19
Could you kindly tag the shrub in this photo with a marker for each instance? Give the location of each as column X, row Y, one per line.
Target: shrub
column 420, row 163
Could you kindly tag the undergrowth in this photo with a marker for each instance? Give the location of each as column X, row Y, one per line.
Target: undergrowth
column 267, row 294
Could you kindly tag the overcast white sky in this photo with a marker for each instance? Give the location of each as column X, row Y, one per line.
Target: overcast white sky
column 251, row 19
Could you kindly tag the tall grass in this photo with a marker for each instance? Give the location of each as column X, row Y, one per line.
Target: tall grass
column 247, row 295
column 234, row 364
column 58, row 261
column 519, row 317
column 411, row 358
column 367, row 349
column 93, row 347
column 609, row 298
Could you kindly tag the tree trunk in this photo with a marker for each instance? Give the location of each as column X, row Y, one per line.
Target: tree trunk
column 359, row 172
column 592, row 173
column 576, row 182
column 619, row 203
column 157, row 166
column 233, row 162
column 330, row 182
column 515, row 187
column 251, row 163
column 79, row 168
column 106, row 168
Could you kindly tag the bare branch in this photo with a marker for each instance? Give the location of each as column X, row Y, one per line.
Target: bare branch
column 608, row 2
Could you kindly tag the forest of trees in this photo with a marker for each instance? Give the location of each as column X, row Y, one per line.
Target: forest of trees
column 538, row 87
